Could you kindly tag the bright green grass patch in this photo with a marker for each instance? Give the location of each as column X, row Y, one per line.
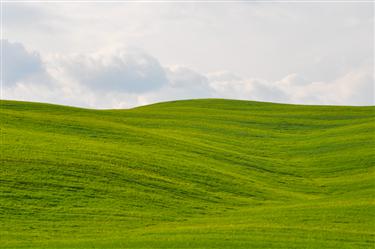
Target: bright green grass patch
column 187, row 174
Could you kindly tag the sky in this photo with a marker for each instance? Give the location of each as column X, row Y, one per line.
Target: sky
column 127, row 54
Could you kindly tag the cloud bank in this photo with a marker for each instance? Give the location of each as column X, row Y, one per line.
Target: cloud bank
column 128, row 77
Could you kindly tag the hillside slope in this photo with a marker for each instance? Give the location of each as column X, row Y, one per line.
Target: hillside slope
column 187, row 174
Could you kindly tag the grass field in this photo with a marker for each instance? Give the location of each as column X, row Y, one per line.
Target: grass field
column 187, row 174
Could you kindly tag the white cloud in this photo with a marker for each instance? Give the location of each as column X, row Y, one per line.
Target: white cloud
column 228, row 85
column 120, row 70
column 318, row 40
column 313, row 53
column 355, row 87
column 123, row 78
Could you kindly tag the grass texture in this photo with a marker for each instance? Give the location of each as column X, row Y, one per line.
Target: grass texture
column 206, row 173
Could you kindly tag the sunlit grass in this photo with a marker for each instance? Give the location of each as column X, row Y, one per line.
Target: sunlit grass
column 187, row 174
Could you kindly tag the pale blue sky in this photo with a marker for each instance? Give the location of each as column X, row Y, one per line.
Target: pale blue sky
column 127, row 54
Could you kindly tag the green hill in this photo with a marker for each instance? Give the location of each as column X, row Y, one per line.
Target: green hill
column 187, row 174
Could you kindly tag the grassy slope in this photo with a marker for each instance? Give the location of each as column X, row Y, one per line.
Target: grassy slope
column 187, row 174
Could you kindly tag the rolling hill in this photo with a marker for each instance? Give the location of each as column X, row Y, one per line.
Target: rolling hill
column 204, row 173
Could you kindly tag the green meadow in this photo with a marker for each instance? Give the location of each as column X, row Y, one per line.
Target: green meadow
column 206, row 173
